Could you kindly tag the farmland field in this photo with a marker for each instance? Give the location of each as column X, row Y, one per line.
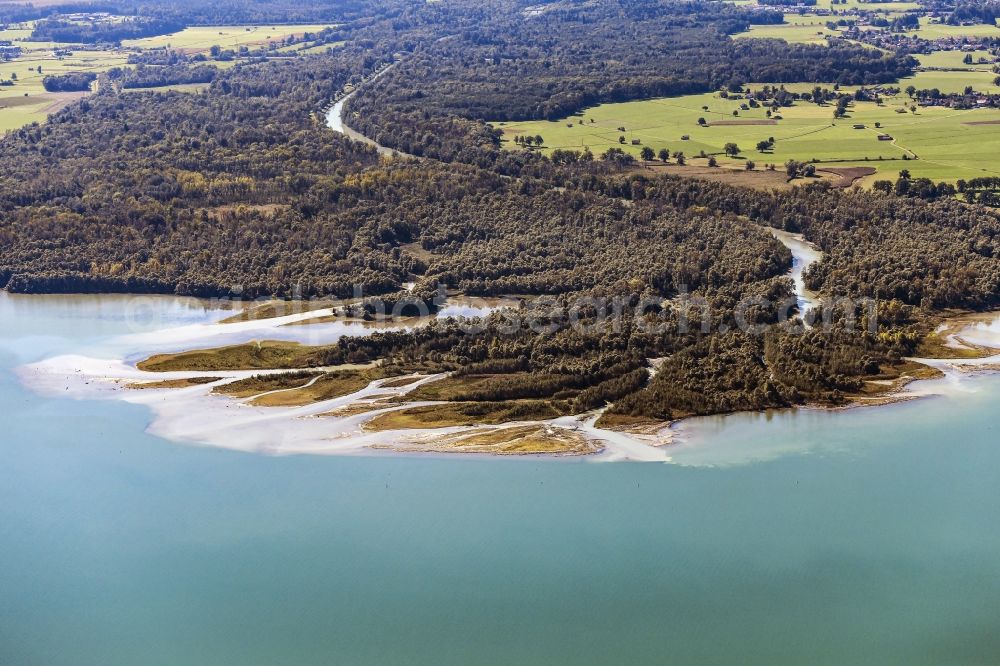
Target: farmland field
column 176, row 87
column 811, row 28
column 205, row 37
column 930, row 30
column 869, row 6
column 940, row 142
column 952, row 82
column 953, row 60
column 886, row 7
column 27, row 101
column 796, row 29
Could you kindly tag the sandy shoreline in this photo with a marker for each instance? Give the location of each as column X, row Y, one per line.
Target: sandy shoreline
column 193, row 414
column 189, row 411
column 196, row 415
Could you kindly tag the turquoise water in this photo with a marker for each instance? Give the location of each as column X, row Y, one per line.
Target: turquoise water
column 866, row 536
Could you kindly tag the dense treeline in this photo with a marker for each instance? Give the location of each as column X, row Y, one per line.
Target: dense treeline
column 94, row 32
column 940, row 254
column 72, row 82
column 737, row 372
column 244, row 12
column 151, row 76
column 198, row 12
column 984, row 190
column 700, row 373
column 979, row 11
column 918, row 188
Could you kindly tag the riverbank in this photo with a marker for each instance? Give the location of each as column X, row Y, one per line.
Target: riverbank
column 336, row 121
column 804, row 255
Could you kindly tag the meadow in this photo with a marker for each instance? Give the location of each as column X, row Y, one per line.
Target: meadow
column 952, row 82
column 887, row 7
column 801, row 29
column 940, row 143
column 175, row 87
column 868, row 6
column 929, row 30
column 27, row 101
column 203, row 38
column 954, row 60
column 811, row 29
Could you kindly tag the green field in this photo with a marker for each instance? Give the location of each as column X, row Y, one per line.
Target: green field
column 953, row 60
column 27, row 101
column 205, row 37
column 17, row 112
column 808, row 29
column 946, row 147
column 177, row 87
column 811, row 29
column 886, row 7
column 952, row 82
column 930, row 30
column 869, row 6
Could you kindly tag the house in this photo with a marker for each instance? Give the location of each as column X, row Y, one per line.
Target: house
column 636, row 142
column 859, row 126
column 885, row 137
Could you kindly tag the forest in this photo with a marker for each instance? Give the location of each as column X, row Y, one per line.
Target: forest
column 142, row 76
column 74, row 32
column 74, row 82
column 241, row 190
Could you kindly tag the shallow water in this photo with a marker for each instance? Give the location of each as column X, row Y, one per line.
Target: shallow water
column 860, row 536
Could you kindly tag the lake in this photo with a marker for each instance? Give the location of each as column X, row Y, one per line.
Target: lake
column 857, row 536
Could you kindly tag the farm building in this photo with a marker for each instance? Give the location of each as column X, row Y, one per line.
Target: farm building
column 885, row 137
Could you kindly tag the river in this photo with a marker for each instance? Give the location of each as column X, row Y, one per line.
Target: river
column 335, row 119
column 856, row 536
column 804, row 254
